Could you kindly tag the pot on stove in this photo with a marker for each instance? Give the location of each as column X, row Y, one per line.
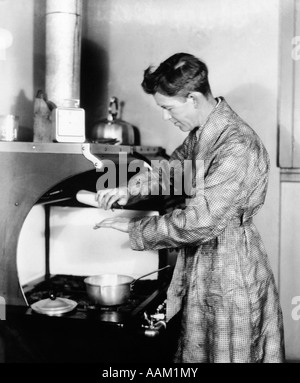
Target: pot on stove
column 112, row 289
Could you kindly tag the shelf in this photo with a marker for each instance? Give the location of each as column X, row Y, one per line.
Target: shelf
column 58, row 147
column 75, row 148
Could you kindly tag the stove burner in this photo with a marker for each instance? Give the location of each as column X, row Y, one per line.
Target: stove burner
column 73, row 287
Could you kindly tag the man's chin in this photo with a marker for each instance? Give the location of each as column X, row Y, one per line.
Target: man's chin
column 183, row 128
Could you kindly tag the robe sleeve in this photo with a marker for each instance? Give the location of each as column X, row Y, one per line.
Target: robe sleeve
column 224, row 192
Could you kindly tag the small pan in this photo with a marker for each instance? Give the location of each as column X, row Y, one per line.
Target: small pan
column 112, row 289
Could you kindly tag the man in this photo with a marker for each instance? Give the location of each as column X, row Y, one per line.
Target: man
column 222, row 284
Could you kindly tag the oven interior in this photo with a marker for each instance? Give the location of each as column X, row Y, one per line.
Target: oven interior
column 90, row 333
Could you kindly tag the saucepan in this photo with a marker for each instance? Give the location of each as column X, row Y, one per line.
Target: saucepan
column 112, row 289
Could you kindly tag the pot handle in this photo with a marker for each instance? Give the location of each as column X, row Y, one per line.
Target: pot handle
column 145, row 275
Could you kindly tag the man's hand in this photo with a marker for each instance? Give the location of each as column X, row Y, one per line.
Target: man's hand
column 118, row 223
column 107, row 197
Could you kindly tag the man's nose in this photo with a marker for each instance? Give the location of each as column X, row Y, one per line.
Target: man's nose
column 166, row 114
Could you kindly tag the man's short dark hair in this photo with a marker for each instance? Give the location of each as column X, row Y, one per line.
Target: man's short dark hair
column 179, row 75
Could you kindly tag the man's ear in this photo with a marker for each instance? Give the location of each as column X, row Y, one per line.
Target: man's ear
column 195, row 98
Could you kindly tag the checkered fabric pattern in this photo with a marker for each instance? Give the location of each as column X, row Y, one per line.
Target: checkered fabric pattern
column 222, row 283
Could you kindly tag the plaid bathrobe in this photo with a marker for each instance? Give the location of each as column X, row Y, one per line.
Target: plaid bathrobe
column 222, row 283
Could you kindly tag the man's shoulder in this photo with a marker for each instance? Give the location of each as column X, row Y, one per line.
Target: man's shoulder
column 235, row 126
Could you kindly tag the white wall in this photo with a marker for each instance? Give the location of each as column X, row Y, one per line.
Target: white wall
column 16, row 73
column 22, row 68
